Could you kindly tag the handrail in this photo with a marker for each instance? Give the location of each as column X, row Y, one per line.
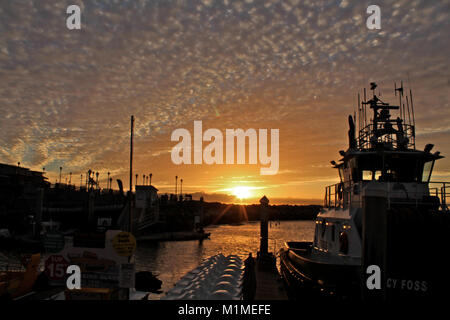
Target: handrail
column 366, row 133
column 339, row 195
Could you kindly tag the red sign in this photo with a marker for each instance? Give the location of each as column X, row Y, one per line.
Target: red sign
column 55, row 267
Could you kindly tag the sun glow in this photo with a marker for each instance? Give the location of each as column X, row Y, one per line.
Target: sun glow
column 241, row 192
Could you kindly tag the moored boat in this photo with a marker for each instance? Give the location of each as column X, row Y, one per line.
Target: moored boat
column 382, row 162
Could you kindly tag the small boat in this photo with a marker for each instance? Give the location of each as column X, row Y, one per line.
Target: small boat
column 382, row 161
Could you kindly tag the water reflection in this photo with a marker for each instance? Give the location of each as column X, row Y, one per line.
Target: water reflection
column 171, row 260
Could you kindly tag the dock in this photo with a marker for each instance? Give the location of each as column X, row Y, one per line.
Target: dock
column 269, row 286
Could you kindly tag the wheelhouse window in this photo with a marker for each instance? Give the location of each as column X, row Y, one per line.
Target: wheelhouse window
column 367, row 175
column 427, row 169
column 391, row 168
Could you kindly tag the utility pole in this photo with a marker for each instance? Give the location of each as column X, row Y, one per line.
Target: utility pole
column 60, row 171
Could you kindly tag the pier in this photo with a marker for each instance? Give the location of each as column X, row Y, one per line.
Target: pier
column 269, row 286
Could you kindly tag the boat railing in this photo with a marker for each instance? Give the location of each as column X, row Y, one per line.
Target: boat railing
column 441, row 190
column 437, row 189
column 339, row 195
column 366, row 135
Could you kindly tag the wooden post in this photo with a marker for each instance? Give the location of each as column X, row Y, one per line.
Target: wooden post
column 264, row 231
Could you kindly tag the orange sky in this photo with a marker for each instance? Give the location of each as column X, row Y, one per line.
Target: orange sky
column 67, row 96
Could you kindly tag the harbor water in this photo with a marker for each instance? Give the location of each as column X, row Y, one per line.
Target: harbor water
column 171, row 260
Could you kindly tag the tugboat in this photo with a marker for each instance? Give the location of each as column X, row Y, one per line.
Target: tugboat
column 381, row 160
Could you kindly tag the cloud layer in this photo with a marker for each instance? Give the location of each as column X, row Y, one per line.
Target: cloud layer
column 66, row 96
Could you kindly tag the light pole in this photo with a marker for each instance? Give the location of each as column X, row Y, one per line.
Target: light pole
column 88, row 179
column 176, row 185
column 60, row 171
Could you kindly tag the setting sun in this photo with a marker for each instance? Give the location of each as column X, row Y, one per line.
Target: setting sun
column 241, row 192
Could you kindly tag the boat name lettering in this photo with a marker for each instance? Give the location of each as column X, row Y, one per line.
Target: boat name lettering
column 404, row 284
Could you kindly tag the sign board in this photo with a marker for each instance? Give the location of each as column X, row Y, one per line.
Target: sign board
column 124, row 244
column 55, row 267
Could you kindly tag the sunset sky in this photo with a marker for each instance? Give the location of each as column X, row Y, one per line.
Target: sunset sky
column 66, row 96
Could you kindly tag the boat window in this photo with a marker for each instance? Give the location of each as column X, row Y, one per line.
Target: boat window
column 341, row 173
column 427, row 169
column 367, row 175
column 392, row 168
column 377, row 175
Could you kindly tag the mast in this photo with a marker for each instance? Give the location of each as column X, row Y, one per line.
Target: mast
column 402, row 104
column 412, row 107
column 364, row 106
column 409, row 113
column 359, row 114
column 131, row 173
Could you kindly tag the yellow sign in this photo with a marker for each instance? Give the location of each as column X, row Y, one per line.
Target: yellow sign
column 124, row 244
